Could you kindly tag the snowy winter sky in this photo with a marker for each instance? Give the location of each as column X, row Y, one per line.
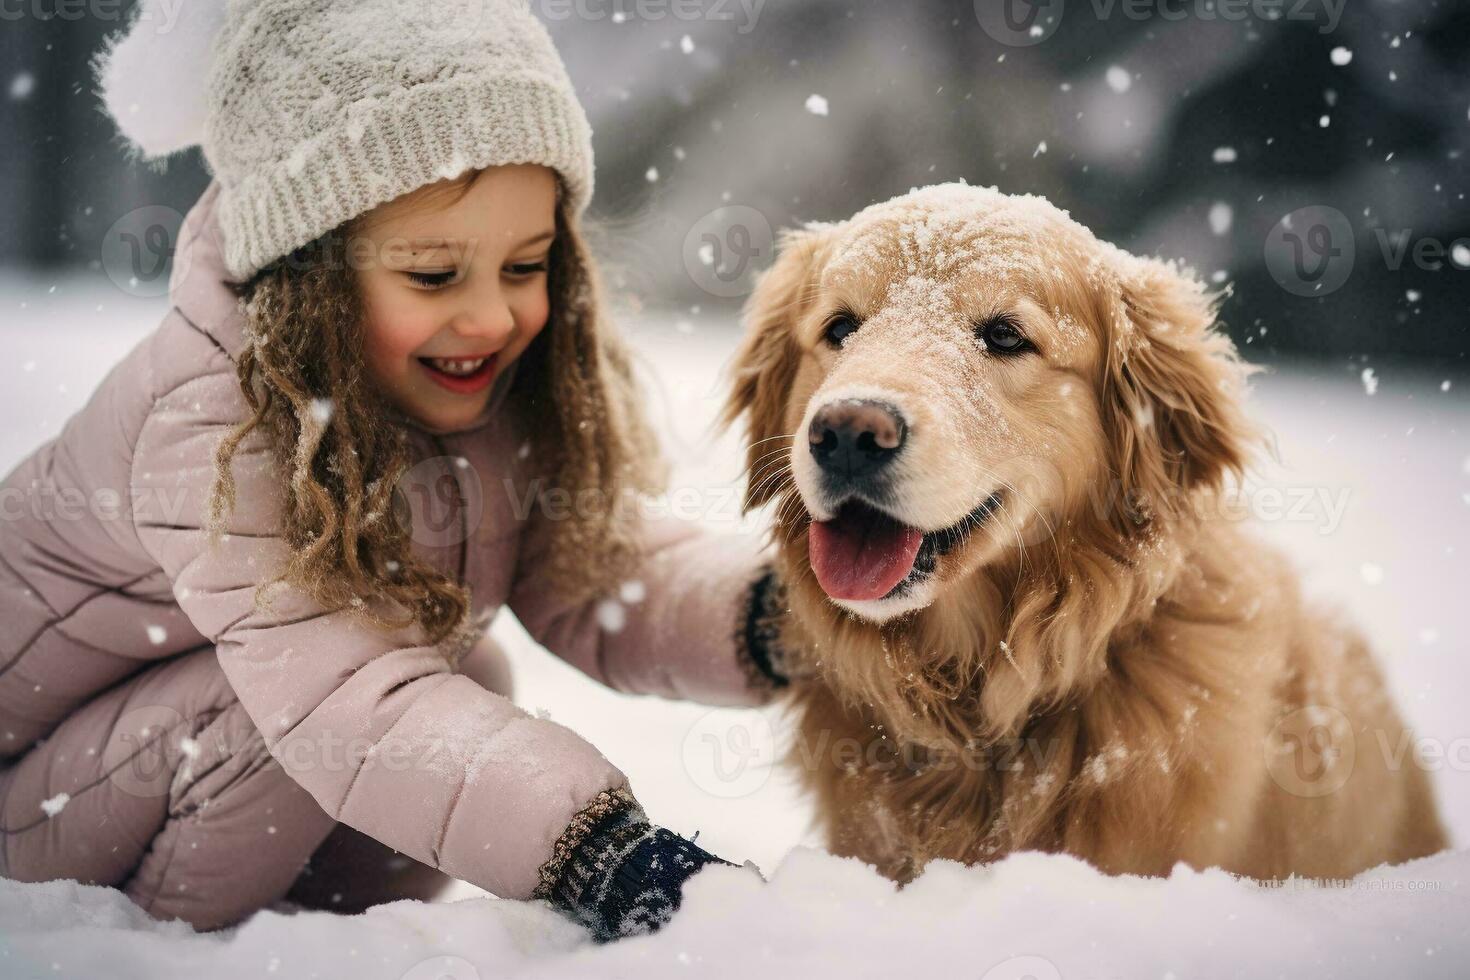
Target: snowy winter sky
column 1392, row 450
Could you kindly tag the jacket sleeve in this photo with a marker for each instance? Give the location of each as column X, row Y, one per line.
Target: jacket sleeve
column 375, row 725
column 680, row 628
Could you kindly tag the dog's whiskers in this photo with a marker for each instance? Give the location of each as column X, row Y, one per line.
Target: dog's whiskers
column 789, row 514
column 774, row 477
column 784, row 435
column 756, row 463
column 1015, row 528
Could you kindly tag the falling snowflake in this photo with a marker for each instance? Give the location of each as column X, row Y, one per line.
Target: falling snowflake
column 611, row 616
column 56, row 804
column 1040, row 149
column 1221, row 216
column 651, row 175
column 22, row 85
column 816, row 105
column 1460, row 255
column 321, row 410
column 157, row 635
column 1225, row 154
column 633, row 592
column 1370, row 381
column 686, row 44
column 1119, row 80
column 1412, row 295
column 1341, row 56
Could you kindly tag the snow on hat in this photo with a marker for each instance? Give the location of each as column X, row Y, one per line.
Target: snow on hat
column 312, row 112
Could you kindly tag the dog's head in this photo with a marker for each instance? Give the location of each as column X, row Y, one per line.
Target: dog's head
column 956, row 376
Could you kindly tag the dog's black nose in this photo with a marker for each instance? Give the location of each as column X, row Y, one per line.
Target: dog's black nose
column 855, row 438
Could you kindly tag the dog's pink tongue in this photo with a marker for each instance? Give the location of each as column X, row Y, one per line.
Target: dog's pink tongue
column 862, row 553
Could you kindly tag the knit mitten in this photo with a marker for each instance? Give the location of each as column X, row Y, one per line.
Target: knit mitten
column 617, row 873
column 759, row 635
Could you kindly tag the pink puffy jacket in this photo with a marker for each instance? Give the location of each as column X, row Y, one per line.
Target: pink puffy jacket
column 104, row 569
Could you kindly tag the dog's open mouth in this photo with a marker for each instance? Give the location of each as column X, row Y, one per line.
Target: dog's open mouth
column 864, row 554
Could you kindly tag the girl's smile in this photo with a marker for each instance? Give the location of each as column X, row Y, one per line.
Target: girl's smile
column 463, row 375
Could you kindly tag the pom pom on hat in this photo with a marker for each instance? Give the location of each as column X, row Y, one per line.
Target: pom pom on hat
column 151, row 76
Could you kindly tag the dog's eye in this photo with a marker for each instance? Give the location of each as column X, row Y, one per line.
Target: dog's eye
column 1002, row 336
column 839, row 328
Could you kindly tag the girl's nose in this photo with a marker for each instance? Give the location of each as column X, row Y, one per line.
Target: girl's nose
column 486, row 316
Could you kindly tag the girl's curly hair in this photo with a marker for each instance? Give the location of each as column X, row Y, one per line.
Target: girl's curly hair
column 344, row 445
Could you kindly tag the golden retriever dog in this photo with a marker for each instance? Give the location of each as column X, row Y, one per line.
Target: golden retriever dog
column 1016, row 608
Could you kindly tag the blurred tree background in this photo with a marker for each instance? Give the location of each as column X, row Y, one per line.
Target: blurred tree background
column 1184, row 128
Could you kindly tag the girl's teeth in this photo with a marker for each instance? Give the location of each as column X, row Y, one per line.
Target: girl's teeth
column 460, row 367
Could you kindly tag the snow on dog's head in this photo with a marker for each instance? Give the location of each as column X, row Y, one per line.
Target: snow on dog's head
column 959, row 379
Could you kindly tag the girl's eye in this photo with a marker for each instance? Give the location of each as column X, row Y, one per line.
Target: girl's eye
column 839, row 328
column 432, row 280
column 526, row 268
column 1001, row 335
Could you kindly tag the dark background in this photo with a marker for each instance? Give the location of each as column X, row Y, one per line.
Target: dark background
column 919, row 92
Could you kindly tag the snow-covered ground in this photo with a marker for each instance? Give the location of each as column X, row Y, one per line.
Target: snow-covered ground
column 1372, row 496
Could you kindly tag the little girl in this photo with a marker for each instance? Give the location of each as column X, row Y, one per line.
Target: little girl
column 382, row 405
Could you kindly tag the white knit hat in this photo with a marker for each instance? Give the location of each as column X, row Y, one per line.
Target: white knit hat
column 312, row 112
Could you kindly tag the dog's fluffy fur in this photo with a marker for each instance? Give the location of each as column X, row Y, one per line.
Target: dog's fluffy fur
column 1105, row 665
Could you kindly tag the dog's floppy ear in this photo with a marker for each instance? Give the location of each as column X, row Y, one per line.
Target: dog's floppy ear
column 765, row 365
column 1172, row 390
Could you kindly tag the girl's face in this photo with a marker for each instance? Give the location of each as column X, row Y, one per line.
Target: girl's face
column 455, row 288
